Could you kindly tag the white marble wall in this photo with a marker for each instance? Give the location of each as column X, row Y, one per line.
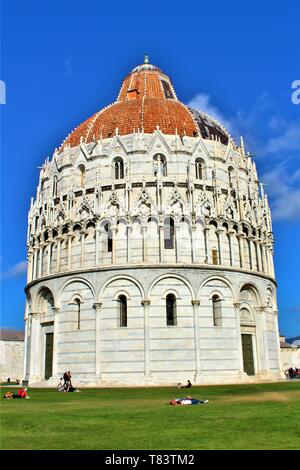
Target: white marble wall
column 147, row 351
column 63, row 228
column 11, row 360
column 69, row 259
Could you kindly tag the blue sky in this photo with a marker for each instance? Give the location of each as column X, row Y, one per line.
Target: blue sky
column 63, row 60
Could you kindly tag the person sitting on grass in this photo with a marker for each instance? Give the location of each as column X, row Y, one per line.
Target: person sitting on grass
column 66, row 379
column 61, row 387
column 188, row 385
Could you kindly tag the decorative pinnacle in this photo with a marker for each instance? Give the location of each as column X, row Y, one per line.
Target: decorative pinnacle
column 146, row 59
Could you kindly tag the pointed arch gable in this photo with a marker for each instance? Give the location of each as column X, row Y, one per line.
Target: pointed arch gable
column 122, row 152
column 158, row 137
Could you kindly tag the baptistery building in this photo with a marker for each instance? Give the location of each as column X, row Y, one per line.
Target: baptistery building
column 150, row 250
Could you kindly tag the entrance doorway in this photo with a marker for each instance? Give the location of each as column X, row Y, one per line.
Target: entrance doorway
column 248, row 354
column 48, row 355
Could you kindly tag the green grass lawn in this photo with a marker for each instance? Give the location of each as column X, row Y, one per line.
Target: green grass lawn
column 264, row 416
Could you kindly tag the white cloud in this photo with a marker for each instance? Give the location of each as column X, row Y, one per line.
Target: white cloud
column 288, row 140
column 264, row 130
column 202, row 102
column 284, row 196
column 266, row 133
column 18, row 270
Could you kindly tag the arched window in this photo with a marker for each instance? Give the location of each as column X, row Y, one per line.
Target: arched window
column 45, row 301
column 230, row 176
column 217, row 311
column 171, row 310
column 54, row 186
column 109, row 237
column 78, row 303
column 122, row 308
column 169, row 233
column 199, row 169
column 119, row 168
column 159, row 165
column 81, row 169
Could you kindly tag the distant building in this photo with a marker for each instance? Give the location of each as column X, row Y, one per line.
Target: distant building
column 289, row 353
column 11, row 354
column 150, row 250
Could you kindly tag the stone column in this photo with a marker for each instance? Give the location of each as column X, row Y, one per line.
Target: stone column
column 258, row 258
column 262, row 338
column 239, row 338
column 50, row 246
column 161, row 243
column 193, row 244
column 97, row 306
column 146, row 305
column 240, row 238
column 34, row 274
column 144, row 242
column 177, row 243
column 275, row 313
column 129, row 232
column 230, row 233
column 83, row 234
column 267, row 264
column 113, row 231
column 41, row 245
column 270, row 261
column 97, row 245
column 263, row 258
column 264, row 324
column 69, row 248
column 127, row 195
column 30, row 265
column 25, row 357
column 58, row 254
column 251, row 257
column 196, row 311
column 259, row 341
column 55, row 342
column 206, row 243
column 35, row 349
column 219, row 232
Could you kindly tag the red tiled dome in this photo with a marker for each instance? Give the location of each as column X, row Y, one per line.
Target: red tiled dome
column 146, row 100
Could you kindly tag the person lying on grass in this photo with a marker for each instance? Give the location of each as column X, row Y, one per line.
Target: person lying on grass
column 187, row 401
column 22, row 393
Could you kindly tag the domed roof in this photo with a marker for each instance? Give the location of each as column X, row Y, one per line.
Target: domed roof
column 147, row 101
